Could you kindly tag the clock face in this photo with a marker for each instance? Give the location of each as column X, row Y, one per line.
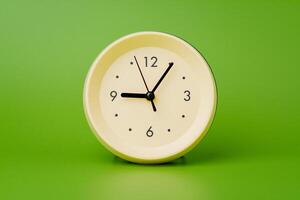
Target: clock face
column 150, row 97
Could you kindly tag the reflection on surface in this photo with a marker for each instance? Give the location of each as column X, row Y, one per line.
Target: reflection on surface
column 133, row 181
column 198, row 175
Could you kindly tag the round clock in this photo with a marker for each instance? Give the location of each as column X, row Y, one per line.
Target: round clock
column 150, row 97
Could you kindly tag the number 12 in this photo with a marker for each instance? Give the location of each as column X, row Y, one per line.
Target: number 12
column 153, row 58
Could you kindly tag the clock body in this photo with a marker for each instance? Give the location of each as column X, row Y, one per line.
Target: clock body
column 150, row 97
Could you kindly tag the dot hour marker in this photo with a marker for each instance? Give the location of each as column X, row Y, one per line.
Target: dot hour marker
column 183, row 77
column 117, row 76
column 169, row 130
column 130, row 129
column 131, row 63
column 116, row 115
column 183, row 116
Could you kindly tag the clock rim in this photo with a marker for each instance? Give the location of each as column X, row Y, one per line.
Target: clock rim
column 134, row 159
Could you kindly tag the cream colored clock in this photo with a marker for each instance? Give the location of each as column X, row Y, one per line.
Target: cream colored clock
column 150, row 97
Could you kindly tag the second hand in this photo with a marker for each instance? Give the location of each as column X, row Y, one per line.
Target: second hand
column 152, row 103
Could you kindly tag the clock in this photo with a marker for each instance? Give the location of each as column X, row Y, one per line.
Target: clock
column 150, row 97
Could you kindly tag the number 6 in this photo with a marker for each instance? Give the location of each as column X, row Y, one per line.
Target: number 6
column 149, row 132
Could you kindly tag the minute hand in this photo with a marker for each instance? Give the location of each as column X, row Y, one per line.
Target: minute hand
column 162, row 77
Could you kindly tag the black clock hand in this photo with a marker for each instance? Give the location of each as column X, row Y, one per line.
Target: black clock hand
column 141, row 73
column 162, row 77
column 153, row 105
column 134, row 95
column 148, row 92
column 149, row 96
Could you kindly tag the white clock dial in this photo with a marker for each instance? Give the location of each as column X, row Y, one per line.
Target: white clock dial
column 150, row 97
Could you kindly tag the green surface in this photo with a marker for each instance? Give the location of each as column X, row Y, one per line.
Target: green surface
column 48, row 151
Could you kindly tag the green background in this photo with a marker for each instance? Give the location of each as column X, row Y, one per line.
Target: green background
column 48, row 151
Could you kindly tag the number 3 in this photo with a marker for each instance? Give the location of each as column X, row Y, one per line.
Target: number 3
column 188, row 95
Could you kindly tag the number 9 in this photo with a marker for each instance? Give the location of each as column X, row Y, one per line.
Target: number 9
column 113, row 94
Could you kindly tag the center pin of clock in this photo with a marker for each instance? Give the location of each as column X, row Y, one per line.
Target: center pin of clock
column 150, row 96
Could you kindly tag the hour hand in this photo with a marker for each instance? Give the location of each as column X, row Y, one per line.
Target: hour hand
column 133, row 95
